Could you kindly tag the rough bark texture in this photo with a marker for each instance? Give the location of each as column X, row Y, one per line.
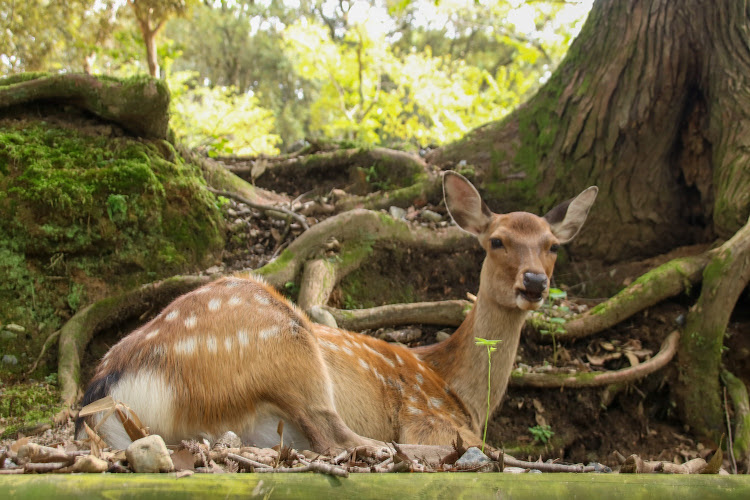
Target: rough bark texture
column 648, row 105
column 138, row 104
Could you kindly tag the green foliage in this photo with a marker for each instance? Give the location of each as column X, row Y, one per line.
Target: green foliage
column 541, row 433
column 490, row 345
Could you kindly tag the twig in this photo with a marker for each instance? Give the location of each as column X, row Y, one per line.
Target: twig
column 509, row 461
column 261, row 206
column 248, row 462
column 53, row 335
column 44, row 467
column 730, row 446
column 18, row 470
column 321, row 467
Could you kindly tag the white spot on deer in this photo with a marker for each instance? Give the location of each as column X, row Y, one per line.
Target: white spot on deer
column 413, row 399
column 211, row 344
column 262, row 299
column 267, row 333
column 400, row 361
column 413, row 410
column 364, row 364
column 380, row 355
column 172, row 315
column 228, row 343
column 328, row 345
column 243, row 337
column 203, row 290
column 419, row 378
column 214, row 305
column 435, row 402
column 234, row 283
column 420, row 366
column 379, row 376
column 185, row 346
column 152, row 334
column 191, row 321
column 348, row 351
column 159, row 351
column 105, row 363
column 235, row 300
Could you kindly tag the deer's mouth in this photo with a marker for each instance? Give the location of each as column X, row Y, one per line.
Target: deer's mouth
column 527, row 299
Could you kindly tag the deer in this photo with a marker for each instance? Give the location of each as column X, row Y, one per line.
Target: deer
column 237, row 355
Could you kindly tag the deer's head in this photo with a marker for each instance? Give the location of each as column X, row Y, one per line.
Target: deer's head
column 521, row 247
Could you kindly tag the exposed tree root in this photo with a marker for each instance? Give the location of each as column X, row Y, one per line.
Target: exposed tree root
column 138, row 104
column 78, row 331
column 697, row 387
column 446, row 312
column 665, row 281
column 741, row 433
column 547, row 380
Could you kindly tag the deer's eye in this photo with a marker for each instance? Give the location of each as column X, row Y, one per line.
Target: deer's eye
column 554, row 248
column 496, row 243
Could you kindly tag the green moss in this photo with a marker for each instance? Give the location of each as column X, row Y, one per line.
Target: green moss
column 85, row 215
column 279, row 263
column 26, row 405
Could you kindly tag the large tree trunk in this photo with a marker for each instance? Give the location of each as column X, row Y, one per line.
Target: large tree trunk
column 648, row 104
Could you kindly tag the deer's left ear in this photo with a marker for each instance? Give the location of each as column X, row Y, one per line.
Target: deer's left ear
column 567, row 218
column 464, row 203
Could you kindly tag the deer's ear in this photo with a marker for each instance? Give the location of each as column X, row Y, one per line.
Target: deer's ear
column 567, row 218
column 464, row 203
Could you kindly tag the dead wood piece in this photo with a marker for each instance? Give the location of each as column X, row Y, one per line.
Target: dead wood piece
column 32, row 452
column 636, row 465
column 247, row 462
column 18, row 470
column 447, row 313
column 259, row 206
column 593, row 379
column 94, row 318
column 320, row 467
column 45, row 466
column 740, row 444
column 509, row 461
column 321, row 276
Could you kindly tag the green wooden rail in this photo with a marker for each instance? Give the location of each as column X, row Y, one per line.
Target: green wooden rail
column 363, row 486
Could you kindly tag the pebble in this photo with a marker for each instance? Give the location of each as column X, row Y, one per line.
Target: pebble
column 11, row 327
column 431, row 216
column 149, row 454
column 475, row 461
column 229, row 440
column 442, row 335
column 90, row 464
column 397, row 212
column 10, row 359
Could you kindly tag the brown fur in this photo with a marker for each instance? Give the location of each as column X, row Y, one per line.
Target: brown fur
column 235, row 347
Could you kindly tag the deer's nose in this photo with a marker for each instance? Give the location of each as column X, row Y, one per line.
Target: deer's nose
column 534, row 283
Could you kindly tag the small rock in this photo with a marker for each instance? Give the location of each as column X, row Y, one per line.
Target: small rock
column 514, row 470
column 442, row 335
column 403, row 336
column 228, row 440
column 214, row 269
column 8, row 335
column 397, row 212
column 149, row 454
column 10, row 359
column 90, row 464
column 320, row 315
column 11, row 327
column 431, row 216
column 231, row 212
column 475, row 460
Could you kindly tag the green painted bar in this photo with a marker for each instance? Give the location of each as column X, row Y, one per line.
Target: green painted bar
column 364, row 486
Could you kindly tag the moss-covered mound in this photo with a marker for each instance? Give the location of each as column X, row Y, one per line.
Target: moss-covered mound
column 86, row 210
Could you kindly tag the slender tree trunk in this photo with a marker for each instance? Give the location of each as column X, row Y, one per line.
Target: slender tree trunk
column 648, row 104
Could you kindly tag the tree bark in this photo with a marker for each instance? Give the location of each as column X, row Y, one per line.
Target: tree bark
column 647, row 105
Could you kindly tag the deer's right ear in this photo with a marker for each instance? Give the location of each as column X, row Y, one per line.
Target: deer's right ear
column 464, row 203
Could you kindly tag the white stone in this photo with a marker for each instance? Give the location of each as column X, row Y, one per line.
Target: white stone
column 149, row 454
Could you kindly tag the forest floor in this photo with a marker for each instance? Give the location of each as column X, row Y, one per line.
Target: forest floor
column 578, row 425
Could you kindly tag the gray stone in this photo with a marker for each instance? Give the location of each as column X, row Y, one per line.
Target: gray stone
column 397, row 212
column 228, row 440
column 475, row 460
column 442, row 335
column 149, row 454
column 8, row 335
column 90, row 464
column 320, row 315
column 9, row 359
column 14, row 328
column 431, row 216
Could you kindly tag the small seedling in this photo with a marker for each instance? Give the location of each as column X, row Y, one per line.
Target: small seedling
column 541, row 433
column 490, row 345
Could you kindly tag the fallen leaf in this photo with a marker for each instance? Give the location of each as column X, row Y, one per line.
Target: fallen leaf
column 183, row 460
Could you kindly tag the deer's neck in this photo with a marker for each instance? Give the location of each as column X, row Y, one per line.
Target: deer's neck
column 463, row 364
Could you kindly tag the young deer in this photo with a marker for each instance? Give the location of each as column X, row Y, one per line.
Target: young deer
column 235, row 355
